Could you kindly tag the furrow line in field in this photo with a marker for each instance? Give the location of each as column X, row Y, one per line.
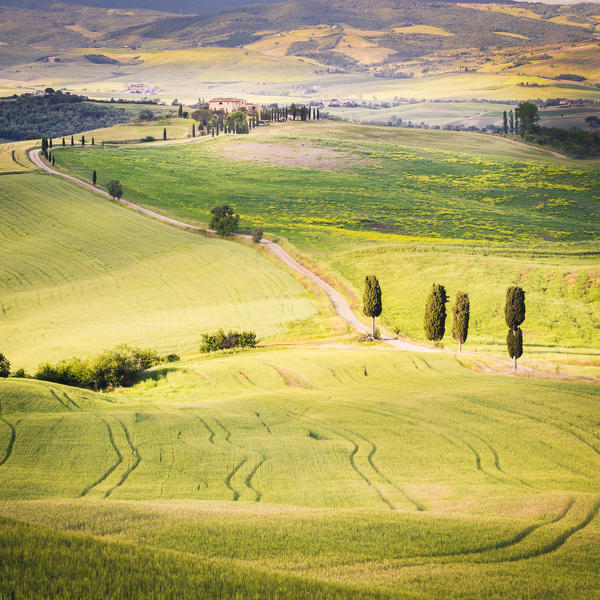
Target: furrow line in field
column 69, row 399
column 136, row 462
column 11, row 441
column 545, row 421
column 211, row 433
column 508, row 543
column 230, row 475
column 262, row 460
column 559, row 541
column 263, row 423
column 59, row 400
column 375, row 468
column 119, row 460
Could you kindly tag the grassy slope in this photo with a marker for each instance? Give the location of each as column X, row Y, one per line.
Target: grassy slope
column 80, row 274
column 415, row 197
column 217, row 462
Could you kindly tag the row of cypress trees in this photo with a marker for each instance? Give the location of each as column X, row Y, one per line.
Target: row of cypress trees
column 435, row 314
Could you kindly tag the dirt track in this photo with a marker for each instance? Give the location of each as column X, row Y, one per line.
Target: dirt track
column 338, row 301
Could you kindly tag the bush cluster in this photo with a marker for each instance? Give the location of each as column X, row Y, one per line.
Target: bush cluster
column 120, row 367
column 225, row 341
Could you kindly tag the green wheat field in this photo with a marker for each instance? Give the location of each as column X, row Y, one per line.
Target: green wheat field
column 314, row 466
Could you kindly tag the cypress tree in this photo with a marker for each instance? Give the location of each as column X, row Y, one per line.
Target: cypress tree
column 193, row 130
column 514, row 344
column 52, row 159
column 511, row 121
column 435, row 313
column 72, row 141
column 318, row 114
column 83, row 140
column 50, row 143
column 94, row 177
column 517, row 120
column 181, row 110
column 93, row 142
column 164, row 133
column 505, row 122
column 514, row 315
column 372, row 300
column 63, row 142
column 460, row 313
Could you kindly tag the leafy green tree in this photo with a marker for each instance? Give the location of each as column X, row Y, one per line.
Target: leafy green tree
column 164, row 133
column 224, row 221
column 461, row 313
column 94, row 177
column 514, row 315
column 372, row 300
column 4, row 366
column 115, row 189
column 435, row 313
column 528, row 117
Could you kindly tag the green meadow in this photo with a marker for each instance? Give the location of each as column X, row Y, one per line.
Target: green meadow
column 302, row 473
column 475, row 212
column 80, row 274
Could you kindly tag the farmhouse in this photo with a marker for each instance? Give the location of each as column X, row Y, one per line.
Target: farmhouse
column 229, row 105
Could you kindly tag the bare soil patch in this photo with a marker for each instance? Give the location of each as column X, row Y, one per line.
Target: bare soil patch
column 294, row 154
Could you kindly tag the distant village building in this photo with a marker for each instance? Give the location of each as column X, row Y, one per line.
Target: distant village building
column 229, row 105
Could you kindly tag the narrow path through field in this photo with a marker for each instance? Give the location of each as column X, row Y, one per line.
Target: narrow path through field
column 338, row 301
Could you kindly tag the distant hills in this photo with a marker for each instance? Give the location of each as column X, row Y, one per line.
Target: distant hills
column 339, row 34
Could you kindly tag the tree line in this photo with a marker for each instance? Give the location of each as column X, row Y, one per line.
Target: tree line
column 434, row 322
column 576, row 143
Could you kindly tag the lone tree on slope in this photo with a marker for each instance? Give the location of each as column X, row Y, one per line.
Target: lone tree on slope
column 460, row 322
column 115, row 189
column 514, row 315
column 4, row 366
column 164, row 133
column 224, row 221
column 94, row 177
column 435, row 313
column 372, row 300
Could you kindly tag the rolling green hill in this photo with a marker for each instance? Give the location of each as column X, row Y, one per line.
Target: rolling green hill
column 302, row 473
column 80, row 274
column 353, row 200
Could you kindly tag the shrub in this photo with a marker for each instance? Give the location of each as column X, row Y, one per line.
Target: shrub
column 257, row 235
column 72, row 371
column 4, row 366
column 20, row 373
column 120, row 367
column 226, row 341
column 171, row 358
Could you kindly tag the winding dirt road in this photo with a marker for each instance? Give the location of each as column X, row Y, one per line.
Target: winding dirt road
column 338, row 301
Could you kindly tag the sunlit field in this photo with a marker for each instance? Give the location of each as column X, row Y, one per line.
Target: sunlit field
column 353, row 199
column 314, row 473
